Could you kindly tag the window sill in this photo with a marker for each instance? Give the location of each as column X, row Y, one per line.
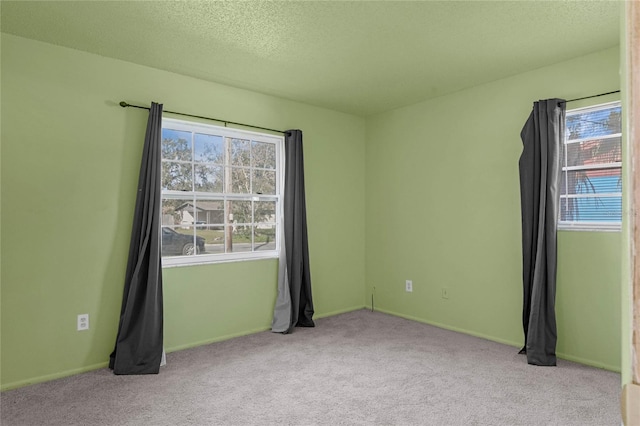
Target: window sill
column 590, row 228
column 176, row 262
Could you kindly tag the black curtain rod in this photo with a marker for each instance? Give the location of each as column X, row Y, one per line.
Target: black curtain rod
column 124, row 104
column 592, row 96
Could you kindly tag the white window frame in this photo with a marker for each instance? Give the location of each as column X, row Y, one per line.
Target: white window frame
column 584, row 225
column 225, row 132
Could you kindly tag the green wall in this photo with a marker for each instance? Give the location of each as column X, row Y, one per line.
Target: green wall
column 433, row 198
column 70, row 162
column 443, row 210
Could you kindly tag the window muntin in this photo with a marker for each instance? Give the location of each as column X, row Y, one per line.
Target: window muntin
column 220, row 193
column 591, row 182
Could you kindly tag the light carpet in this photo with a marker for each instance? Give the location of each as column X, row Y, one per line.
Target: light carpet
column 358, row 368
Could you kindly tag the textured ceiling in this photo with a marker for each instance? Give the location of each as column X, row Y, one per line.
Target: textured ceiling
column 358, row 57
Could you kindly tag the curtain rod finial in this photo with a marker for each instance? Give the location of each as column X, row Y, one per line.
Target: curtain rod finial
column 123, row 104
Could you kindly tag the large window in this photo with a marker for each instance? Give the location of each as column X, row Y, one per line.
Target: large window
column 591, row 186
column 220, row 193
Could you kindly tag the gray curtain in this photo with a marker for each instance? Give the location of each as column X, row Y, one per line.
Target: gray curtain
column 294, row 304
column 540, row 169
column 139, row 347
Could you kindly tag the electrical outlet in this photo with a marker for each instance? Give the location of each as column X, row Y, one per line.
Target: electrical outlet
column 83, row 322
column 408, row 286
column 445, row 293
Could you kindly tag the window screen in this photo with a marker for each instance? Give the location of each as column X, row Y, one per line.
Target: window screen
column 591, row 185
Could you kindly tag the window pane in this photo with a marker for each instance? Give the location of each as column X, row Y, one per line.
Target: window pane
column 213, row 238
column 241, row 211
column 264, row 182
column 209, row 212
column 591, row 209
column 176, row 176
column 219, row 193
column 264, row 211
column 598, row 151
column 178, row 241
column 210, row 239
column 240, row 152
column 592, row 181
column 591, row 124
column 264, row 155
column 209, row 178
column 208, row 148
column 185, row 213
column 591, row 193
column 170, row 215
column 264, row 237
column 240, row 181
column 241, row 238
column 176, row 145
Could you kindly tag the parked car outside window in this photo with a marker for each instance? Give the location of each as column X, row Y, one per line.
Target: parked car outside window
column 175, row 243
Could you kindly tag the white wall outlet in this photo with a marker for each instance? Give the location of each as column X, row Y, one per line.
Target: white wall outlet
column 408, row 286
column 445, row 293
column 83, row 322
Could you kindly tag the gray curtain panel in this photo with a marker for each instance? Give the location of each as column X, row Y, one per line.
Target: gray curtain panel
column 282, row 311
column 139, row 346
column 540, row 170
column 294, row 304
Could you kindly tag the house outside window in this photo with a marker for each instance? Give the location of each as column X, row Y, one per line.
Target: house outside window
column 591, row 184
column 220, row 193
